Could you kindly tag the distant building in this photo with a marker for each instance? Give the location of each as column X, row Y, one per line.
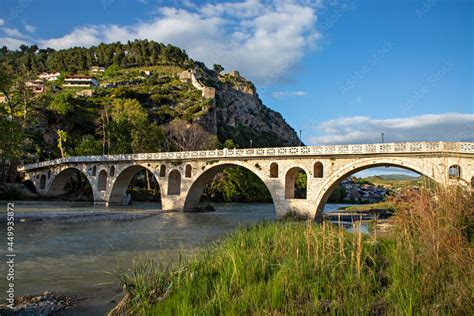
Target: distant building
column 85, row 93
column 80, row 82
column 97, row 69
column 49, row 76
column 36, row 86
column 234, row 73
column 209, row 92
column 187, row 75
column 108, row 85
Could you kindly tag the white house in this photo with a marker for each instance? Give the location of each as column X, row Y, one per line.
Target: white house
column 97, row 69
column 49, row 76
column 80, row 82
column 36, row 86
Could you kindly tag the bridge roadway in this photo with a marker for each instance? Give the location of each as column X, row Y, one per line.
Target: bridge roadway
column 182, row 176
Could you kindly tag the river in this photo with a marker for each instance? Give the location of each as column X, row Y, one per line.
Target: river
column 75, row 248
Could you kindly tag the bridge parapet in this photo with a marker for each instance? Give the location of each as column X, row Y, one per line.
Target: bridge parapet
column 353, row 149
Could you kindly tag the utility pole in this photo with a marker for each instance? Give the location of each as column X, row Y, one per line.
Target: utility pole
column 382, row 137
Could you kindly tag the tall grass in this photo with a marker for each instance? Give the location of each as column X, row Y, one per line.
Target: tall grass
column 289, row 267
column 432, row 258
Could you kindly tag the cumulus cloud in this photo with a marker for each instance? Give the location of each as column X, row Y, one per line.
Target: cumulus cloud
column 14, row 33
column 261, row 39
column 363, row 129
column 30, row 28
column 13, row 42
column 12, row 37
column 281, row 94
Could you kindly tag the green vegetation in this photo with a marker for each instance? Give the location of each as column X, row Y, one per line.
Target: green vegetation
column 424, row 266
column 132, row 54
column 395, row 181
column 140, row 106
column 387, row 205
column 237, row 185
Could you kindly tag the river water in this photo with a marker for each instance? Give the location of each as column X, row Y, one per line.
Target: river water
column 75, row 248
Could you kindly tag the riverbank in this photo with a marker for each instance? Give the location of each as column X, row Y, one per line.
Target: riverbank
column 423, row 266
column 78, row 259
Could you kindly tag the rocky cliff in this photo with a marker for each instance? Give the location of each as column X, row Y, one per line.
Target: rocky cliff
column 240, row 114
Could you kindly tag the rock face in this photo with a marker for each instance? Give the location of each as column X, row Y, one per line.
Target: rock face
column 239, row 114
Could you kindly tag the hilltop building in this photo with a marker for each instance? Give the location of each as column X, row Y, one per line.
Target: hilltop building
column 191, row 76
column 97, row 69
column 36, row 86
column 80, row 82
column 49, row 76
column 234, row 73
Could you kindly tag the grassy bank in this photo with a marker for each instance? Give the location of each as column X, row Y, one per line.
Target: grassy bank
column 367, row 207
column 425, row 266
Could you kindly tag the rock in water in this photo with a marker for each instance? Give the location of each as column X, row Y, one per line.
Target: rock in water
column 44, row 304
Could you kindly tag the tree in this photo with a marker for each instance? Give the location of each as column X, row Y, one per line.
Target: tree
column 218, row 68
column 6, row 83
column 62, row 139
column 11, row 140
column 149, row 139
column 128, row 127
column 229, row 143
column 62, row 103
column 88, row 146
column 237, row 185
column 130, row 111
column 23, row 94
column 112, row 70
column 183, row 136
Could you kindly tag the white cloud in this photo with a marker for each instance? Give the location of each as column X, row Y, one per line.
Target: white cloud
column 13, row 42
column 261, row 39
column 363, row 129
column 2, row 22
column 13, row 33
column 13, row 38
column 84, row 36
column 30, row 28
column 245, row 9
column 281, row 94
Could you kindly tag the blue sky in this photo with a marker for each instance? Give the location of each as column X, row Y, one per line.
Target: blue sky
column 341, row 71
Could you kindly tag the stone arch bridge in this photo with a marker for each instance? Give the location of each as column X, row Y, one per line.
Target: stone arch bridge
column 182, row 176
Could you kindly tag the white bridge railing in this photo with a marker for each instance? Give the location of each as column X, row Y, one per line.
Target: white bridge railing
column 358, row 149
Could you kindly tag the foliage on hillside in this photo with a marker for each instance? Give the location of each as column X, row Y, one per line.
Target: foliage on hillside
column 132, row 54
column 140, row 106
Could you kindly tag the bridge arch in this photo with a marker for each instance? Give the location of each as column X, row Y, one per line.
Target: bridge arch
column 30, row 185
column 291, row 178
column 123, row 180
column 328, row 186
column 59, row 181
column 196, row 189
